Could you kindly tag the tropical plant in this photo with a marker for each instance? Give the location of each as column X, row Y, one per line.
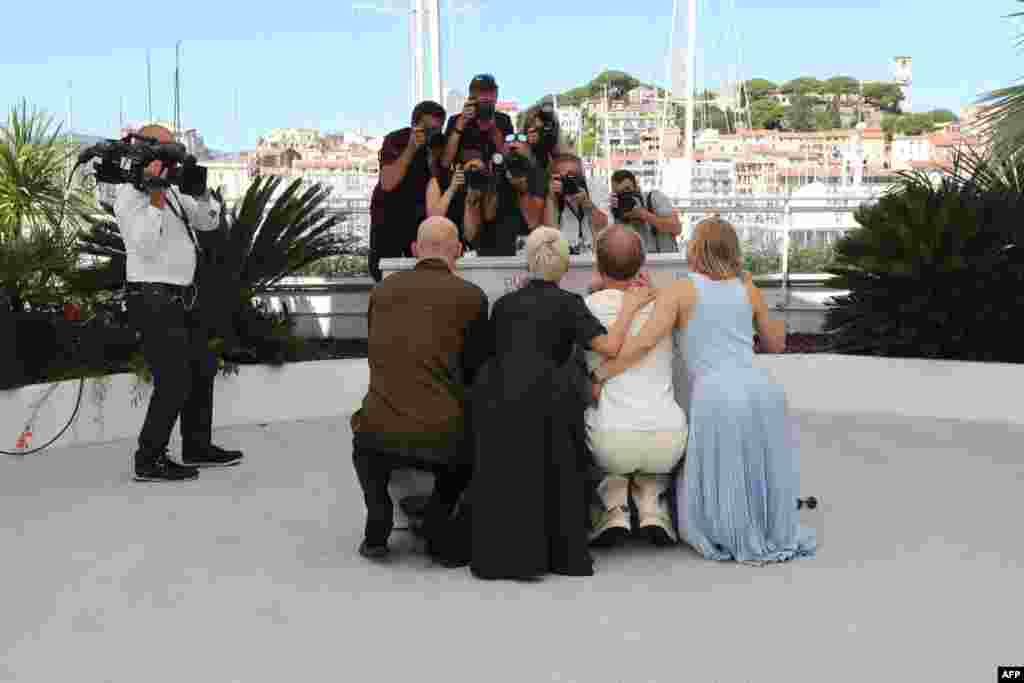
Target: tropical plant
column 353, row 265
column 935, row 269
column 1003, row 118
column 39, row 210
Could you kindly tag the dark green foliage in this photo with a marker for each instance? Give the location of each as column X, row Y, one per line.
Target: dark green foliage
column 842, row 85
column 800, row 116
column 884, row 95
column 803, row 86
column 936, row 270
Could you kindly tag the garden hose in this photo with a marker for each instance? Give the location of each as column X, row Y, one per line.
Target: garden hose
column 81, row 381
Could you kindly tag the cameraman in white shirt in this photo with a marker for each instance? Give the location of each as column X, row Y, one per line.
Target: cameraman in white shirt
column 162, row 254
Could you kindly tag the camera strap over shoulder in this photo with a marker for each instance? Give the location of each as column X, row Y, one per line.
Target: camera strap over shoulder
column 183, row 217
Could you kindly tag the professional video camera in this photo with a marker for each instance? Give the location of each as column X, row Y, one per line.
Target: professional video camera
column 627, row 202
column 124, row 162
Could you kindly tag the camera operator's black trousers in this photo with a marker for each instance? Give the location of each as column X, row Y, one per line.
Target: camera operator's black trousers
column 175, row 344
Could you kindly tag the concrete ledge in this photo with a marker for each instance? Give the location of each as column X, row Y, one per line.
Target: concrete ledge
column 113, row 408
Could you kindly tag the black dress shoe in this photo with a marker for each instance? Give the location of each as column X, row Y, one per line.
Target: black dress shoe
column 213, row 456
column 414, row 506
column 373, row 552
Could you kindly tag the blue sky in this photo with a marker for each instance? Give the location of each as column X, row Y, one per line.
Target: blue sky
column 320, row 63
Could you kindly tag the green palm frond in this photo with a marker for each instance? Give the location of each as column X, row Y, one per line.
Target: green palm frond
column 34, row 159
column 269, row 241
column 1003, row 120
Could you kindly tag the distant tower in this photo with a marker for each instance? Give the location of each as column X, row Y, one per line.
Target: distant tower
column 903, row 75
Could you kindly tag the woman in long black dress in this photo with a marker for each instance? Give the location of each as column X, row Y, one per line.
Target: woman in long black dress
column 527, row 496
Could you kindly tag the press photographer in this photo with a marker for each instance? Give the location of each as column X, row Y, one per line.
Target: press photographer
column 479, row 125
column 543, row 135
column 570, row 207
column 446, row 193
column 502, row 204
column 399, row 201
column 651, row 215
column 159, row 220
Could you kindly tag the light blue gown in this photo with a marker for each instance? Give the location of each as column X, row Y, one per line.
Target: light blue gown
column 736, row 494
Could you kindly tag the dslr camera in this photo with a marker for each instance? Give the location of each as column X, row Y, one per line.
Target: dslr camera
column 627, row 202
column 517, row 165
column 121, row 161
column 477, row 179
column 570, row 185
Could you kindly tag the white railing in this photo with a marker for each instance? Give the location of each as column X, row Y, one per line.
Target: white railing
column 775, row 217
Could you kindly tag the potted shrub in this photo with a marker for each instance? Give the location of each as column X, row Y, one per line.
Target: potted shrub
column 39, row 213
column 936, row 269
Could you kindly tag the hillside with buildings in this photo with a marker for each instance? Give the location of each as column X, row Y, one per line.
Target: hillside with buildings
column 766, row 137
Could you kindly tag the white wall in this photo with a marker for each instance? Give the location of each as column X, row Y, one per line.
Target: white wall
column 982, row 392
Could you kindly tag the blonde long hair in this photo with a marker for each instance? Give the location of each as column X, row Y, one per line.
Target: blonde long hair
column 714, row 248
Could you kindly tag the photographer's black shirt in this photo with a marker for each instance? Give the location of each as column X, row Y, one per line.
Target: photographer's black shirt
column 475, row 138
column 500, row 236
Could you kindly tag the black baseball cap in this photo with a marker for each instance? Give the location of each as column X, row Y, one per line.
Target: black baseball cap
column 483, row 82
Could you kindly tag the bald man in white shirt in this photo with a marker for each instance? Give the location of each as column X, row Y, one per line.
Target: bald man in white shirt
column 162, row 249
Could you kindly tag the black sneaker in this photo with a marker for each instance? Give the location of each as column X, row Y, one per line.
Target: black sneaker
column 161, row 468
column 373, row 552
column 215, row 456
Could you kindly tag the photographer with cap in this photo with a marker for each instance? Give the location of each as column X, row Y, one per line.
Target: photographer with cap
column 399, row 202
column 162, row 252
column 479, row 125
column 650, row 214
column 570, row 207
column 503, row 204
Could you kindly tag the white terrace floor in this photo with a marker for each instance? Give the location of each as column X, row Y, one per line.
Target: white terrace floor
column 251, row 574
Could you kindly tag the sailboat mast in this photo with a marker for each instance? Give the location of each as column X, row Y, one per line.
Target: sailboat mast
column 691, row 58
column 177, row 89
column 668, row 88
column 149, row 84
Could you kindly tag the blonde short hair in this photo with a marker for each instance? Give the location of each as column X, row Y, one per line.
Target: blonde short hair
column 715, row 247
column 547, row 254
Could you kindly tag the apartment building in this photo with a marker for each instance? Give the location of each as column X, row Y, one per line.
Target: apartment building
column 291, row 137
column 570, row 120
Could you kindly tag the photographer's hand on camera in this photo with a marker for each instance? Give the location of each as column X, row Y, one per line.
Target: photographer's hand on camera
column 468, row 115
column 156, row 197
column 555, row 187
column 639, row 214
column 458, row 181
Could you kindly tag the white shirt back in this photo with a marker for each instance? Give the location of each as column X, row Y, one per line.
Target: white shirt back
column 642, row 398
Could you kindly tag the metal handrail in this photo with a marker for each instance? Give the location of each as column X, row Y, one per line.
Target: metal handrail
column 785, row 206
